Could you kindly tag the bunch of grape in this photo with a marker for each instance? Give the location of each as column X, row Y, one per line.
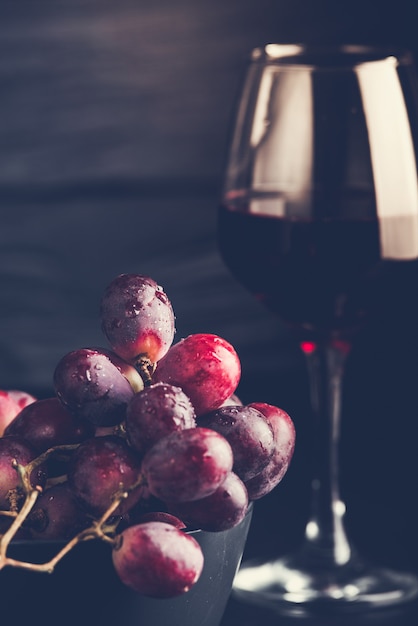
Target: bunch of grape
column 140, row 442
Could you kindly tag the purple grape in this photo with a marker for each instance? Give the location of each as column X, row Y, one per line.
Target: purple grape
column 137, row 318
column 205, row 366
column 95, row 384
column 47, row 423
column 22, row 533
column 99, row 468
column 284, row 445
column 223, row 509
column 147, row 504
column 249, row 434
column 57, row 515
column 158, row 560
column 187, row 464
column 161, row 516
column 233, row 400
column 155, row 412
column 14, row 448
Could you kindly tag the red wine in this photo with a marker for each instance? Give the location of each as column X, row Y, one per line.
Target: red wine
column 322, row 277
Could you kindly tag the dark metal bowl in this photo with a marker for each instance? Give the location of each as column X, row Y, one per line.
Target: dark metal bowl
column 84, row 589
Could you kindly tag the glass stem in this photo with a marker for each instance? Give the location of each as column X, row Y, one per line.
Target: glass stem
column 325, row 537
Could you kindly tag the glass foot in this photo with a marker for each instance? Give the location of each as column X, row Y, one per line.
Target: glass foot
column 293, row 587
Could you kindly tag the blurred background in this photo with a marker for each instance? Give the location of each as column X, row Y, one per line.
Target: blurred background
column 114, row 122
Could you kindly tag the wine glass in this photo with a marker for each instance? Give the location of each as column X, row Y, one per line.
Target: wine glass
column 320, row 197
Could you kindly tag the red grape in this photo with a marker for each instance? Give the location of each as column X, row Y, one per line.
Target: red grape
column 96, row 384
column 158, row 560
column 12, row 402
column 13, row 448
column 284, row 441
column 47, row 423
column 57, row 515
column 101, row 466
column 155, row 412
column 156, row 426
column 161, row 516
column 187, row 464
column 147, row 504
column 137, row 318
column 205, row 366
column 233, row 400
column 8, row 410
column 249, row 433
column 22, row 398
column 223, row 509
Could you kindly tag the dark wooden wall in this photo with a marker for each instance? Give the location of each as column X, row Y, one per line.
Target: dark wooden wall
column 99, row 89
column 114, row 117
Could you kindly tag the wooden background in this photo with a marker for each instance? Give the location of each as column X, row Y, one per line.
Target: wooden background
column 114, row 118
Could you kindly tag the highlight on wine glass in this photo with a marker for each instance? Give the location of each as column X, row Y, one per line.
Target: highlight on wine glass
column 320, row 191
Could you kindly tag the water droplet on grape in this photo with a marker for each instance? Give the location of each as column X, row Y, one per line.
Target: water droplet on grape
column 132, row 310
column 159, row 293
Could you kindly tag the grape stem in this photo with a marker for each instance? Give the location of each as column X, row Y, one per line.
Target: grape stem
column 16, row 524
column 99, row 529
column 8, row 513
column 146, row 368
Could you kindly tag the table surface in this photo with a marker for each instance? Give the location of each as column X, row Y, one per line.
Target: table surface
column 238, row 614
column 241, row 613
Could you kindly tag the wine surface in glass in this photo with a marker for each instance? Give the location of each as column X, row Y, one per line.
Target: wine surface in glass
column 319, row 221
column 324, row 277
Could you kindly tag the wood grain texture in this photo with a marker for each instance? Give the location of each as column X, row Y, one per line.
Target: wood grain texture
column 114, row 119
column 96, row 89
